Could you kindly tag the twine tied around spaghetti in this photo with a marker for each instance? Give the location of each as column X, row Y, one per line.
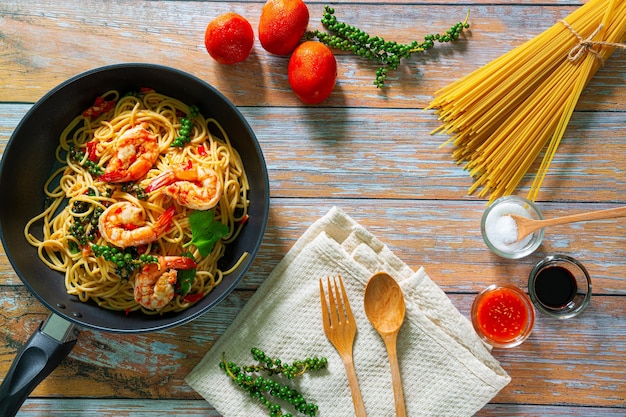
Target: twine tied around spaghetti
column 587, row 45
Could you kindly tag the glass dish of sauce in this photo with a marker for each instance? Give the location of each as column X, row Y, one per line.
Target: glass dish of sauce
column 503, row 316
column 560, row 286
column 555, row 286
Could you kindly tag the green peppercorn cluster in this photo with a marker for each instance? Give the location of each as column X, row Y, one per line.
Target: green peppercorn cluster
column 349, row 38
column 84, row 228
column 134, row 189
column 186, row 126
column 126, row 260
column 259, row 387
column 78, row 156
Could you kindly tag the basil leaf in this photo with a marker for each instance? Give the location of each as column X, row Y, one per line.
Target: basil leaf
column 205, row 232
column 185, row 277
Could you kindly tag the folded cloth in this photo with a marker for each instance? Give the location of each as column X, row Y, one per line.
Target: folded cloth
column 445, row 368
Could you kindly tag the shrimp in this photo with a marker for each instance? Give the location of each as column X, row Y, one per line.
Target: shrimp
column 136, row 151
column 154, row 285
column 195, row 187
column 123, row 224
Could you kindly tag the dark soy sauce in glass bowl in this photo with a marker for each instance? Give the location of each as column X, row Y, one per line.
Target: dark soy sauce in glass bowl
column 559, row 286
column 555, row 286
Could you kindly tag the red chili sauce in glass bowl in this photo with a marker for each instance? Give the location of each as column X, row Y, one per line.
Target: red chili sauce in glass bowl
column 503, row 316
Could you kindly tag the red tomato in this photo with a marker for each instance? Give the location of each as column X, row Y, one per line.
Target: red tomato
column 229, row 38
column 312, row 72
column 282, row 25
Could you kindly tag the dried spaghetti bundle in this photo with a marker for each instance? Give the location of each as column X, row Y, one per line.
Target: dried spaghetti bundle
column 505, row 114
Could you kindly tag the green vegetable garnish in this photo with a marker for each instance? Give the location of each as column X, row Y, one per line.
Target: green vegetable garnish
column 73, row 246
column 185, row 277
column 205, row 232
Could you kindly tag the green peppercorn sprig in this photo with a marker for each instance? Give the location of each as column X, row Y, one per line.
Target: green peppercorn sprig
column 78, row 156
column 349, row 38
column 276, row 367
column 247, row 377
column 186, row 126
column 126, row 261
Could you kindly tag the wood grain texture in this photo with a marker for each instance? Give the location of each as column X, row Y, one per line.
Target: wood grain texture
column 561, row 363
column 199, row 408
column 365, row 150
column 171, row 33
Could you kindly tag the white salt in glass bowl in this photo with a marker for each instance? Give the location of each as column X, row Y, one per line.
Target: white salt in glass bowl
column 499, row 230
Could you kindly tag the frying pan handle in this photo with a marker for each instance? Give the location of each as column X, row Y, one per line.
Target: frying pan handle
column 46, row 348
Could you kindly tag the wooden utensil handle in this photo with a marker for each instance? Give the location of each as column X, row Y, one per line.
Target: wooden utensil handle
column 592, row 215
column 396, row 380
column 357, row 399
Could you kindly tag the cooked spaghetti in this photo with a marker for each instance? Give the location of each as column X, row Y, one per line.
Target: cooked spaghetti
column 147, row 198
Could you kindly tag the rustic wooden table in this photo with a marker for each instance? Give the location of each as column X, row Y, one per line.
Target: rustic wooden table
column 365, row 150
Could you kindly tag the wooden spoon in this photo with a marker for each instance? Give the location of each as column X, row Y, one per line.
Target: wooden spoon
column 526, row 226
column 384, row 306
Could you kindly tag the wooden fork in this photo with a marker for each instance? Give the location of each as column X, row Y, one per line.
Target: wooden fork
column 340, row 329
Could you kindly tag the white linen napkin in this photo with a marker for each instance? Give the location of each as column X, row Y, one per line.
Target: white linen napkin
column 446, row 370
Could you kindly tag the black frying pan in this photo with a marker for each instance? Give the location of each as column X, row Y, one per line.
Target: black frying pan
column 28, row 161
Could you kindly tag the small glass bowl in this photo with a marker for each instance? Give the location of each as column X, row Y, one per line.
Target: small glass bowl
column 496, row 236
column 503, row 316
column 560, row 286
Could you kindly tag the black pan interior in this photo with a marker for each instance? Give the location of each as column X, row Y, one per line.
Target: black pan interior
column 28, row 161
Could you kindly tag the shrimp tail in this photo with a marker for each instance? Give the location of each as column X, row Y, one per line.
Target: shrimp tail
column 113, row 176
column 160, row 181
column 179, row 262
column 163, row 222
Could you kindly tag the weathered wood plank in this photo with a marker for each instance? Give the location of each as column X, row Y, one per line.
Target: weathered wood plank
column 578, row 359
column 171, row 33
column 363, row 154
column 115, row 408
column 200, row 408
column 445, row 239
